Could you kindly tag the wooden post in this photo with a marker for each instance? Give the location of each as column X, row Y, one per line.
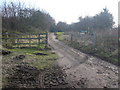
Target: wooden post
column 6, row 39
column 38, row 40
column 71, row 37
column 46, row 39
column 94, row 39
column 18, row 41
column 29, row 41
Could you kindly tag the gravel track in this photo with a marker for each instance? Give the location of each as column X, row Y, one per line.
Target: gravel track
column 82, row 70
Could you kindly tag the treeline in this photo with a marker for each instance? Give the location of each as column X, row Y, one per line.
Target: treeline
column 16, row 17
column 101, row 21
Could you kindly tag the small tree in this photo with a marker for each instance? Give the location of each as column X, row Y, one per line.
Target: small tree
column 103, row 20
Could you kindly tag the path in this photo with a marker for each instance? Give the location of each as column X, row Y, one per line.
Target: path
column 83, row 70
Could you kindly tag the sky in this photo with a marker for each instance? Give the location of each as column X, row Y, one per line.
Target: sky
column 70, row 10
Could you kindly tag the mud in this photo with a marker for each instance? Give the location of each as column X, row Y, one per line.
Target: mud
column 19, row 57
column 25, row 76
column 55, row 78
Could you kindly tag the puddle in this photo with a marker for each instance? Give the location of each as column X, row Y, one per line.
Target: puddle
column 40, row 54
column 5, row 52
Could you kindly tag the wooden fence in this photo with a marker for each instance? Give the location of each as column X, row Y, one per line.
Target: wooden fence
column 25, row 39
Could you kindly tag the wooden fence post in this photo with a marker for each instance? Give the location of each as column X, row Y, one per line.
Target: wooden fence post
column 94, row 39
column 38, row 40
column 18, row 40
column 29, row 41
column 46, row 38
column 71, row 37
column 7, row 39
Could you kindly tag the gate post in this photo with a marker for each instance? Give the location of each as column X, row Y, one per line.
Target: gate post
column 38, row 40
column 46, row 40
column 29, row 41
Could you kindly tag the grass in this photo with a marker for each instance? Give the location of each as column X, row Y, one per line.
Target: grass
column 59, row 36
column 39, row 61
column 59, row 33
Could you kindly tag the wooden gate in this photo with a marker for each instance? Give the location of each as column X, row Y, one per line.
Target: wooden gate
column 23, row 40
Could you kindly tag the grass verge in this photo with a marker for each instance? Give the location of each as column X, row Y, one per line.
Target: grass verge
column 111, row 57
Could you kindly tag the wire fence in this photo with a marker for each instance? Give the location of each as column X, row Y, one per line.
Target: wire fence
column 103, row 44
column 107, row 40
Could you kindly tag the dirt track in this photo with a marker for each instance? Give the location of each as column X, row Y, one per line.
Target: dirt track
column 83, row 70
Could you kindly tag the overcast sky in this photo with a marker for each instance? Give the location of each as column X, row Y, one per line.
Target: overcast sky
column 69, row 10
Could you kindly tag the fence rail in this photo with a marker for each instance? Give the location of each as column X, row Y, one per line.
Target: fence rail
column 24, row 38
column 23, row 33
